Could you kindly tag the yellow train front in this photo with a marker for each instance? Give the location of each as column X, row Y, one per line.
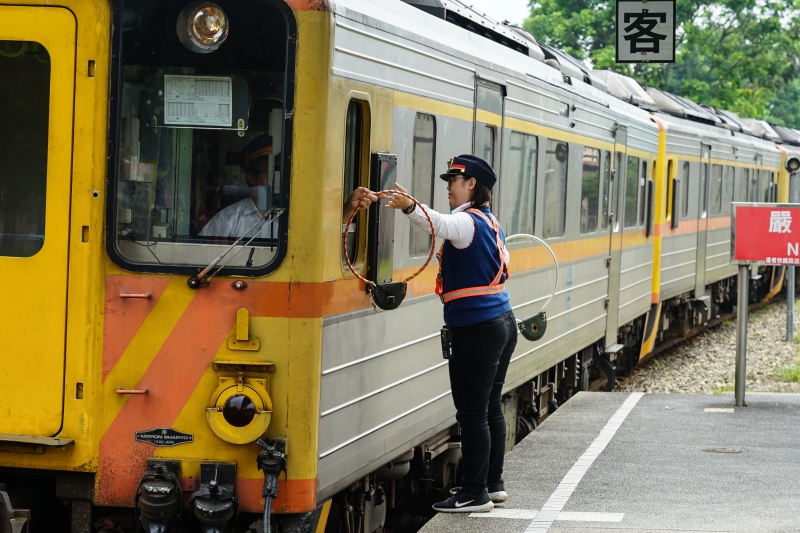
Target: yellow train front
column 123, row 384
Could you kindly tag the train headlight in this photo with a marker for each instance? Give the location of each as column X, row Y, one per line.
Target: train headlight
column 240, row 410
column 202, row 27
column 793, row 164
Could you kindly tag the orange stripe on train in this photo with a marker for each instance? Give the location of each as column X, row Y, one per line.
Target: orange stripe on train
column 170, row 379
column 124, row 316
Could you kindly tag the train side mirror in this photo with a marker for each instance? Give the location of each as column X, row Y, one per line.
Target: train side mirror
column 380, row 239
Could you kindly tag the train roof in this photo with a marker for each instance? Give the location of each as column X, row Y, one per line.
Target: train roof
column 512, row 51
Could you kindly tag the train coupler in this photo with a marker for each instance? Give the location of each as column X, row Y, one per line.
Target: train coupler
column 215, row 505
column 12, row 520
column 158, row 498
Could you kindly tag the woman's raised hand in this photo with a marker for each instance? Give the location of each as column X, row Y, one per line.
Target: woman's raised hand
column 397, row 201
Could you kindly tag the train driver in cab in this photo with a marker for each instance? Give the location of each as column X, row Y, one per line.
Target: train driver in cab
column 236, row 219
column 472, row 272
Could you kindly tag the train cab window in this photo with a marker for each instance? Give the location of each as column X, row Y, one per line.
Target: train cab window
column 631, row 192
column 556, row 162
column 23, row 147
column 715, row 190
column 422, row 179
column 604, row 187
column 591, row 189
column 685, row 189
column 201, row 162
column 727, row 190
column 517, row 209
column 642, row 193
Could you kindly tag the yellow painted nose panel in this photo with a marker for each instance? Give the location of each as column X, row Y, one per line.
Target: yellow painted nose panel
column 34, row 256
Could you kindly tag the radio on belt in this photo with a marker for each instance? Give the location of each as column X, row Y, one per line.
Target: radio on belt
column 447, row 342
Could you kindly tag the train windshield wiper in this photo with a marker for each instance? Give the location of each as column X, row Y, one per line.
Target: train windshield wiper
column 266, row 220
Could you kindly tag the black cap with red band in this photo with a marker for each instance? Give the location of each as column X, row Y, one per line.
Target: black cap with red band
column 471, row 166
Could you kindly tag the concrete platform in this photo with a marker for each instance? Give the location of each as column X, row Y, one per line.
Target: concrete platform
column 651, row 463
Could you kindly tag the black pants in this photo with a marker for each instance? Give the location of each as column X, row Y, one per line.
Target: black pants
column 481, row 353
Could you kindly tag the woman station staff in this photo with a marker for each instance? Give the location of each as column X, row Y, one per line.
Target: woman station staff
column 472, row 273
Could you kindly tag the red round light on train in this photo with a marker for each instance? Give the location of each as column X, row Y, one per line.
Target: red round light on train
column 239, row 410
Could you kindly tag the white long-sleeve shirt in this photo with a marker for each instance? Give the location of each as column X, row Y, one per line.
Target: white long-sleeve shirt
column 458, row 227
column 235, row 220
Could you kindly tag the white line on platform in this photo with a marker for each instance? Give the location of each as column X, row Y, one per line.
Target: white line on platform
column 718, row 410
column 556, row 502
column 513, row 514
column 591, row 517
column 529, row 514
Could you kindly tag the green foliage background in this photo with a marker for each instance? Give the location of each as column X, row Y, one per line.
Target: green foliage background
column 740, row 55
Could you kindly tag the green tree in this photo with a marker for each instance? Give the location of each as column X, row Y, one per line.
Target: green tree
column 784, row 109
column 733, row 54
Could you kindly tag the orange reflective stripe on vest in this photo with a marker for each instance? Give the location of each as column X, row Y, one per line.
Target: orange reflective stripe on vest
column 495, row 287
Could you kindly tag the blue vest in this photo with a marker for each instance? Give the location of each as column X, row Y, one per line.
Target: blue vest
column 476, row 265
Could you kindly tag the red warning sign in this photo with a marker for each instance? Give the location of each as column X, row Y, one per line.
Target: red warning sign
column 768, row 234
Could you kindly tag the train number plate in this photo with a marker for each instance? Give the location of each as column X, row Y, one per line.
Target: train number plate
column 164, row 437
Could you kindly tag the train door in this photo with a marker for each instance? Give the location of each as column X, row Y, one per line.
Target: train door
column 37, row 62
column 615, row 202
column 488, row 128
column 702, row 222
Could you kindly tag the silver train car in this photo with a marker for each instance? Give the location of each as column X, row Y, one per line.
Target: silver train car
column 633, row 193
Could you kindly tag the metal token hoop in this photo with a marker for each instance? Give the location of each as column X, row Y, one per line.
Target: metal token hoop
column 389, row 296
column 533, row 328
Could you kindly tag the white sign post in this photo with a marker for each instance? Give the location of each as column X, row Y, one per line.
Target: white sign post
column 646, row 31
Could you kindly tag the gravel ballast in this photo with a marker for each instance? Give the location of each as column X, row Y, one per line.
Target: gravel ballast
column 706, row 364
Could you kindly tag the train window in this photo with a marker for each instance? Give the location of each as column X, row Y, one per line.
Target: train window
column 752, row 194
column 605, row 183
column 556, row 162
column 703, row 186
column 727, row 190
column 23, row 147
column 201, row 152
column 489, row 138
column 685, row 189
column 768, row 182
column 743, row 175
column 669, row 185
column 356, row 148
column 642, row 193
column 424, row 155
column 715, row 190
column 631, row 192
column 591, row 187
column 518, row 208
